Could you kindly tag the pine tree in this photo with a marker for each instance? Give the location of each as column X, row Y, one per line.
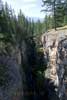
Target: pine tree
column 59, row 15
column 65, row 20
column 57, row 7
column 50, row 7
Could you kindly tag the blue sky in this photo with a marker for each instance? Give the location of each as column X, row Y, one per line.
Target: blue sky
column 30, row 8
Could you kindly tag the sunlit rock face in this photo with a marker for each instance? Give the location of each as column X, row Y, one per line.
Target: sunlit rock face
column 52, row 63
column 10, row 79
column 55, row 51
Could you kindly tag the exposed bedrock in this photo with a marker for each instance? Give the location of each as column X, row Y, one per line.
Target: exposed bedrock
column 55, row 51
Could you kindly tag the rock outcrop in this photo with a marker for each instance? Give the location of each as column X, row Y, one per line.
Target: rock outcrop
column 55, row 51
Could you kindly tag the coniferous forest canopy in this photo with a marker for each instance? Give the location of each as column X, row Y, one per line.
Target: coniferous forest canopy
column 57, row 16
column 20, row 46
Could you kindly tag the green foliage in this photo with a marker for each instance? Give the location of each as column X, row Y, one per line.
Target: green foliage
column 16, row 29
column 38, row 28
column 59, row 10
column 65, row 20
column 59, row 15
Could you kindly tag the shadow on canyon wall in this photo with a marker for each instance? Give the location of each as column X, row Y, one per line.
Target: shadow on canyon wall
column 25, row 81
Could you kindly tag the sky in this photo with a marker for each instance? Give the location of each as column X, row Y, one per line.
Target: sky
column 30, row 8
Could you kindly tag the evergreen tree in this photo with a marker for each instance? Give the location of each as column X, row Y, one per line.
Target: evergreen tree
column 50, row 7
column 65, row 20
column 57, row 7
column 59, row 15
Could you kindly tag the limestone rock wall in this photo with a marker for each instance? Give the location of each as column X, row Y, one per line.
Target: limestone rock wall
column 55, row 51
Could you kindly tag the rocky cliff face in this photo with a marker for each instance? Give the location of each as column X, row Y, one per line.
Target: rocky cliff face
column 10, row 79
column 55, row 51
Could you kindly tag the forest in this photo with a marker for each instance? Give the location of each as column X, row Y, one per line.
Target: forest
column 22, row 62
